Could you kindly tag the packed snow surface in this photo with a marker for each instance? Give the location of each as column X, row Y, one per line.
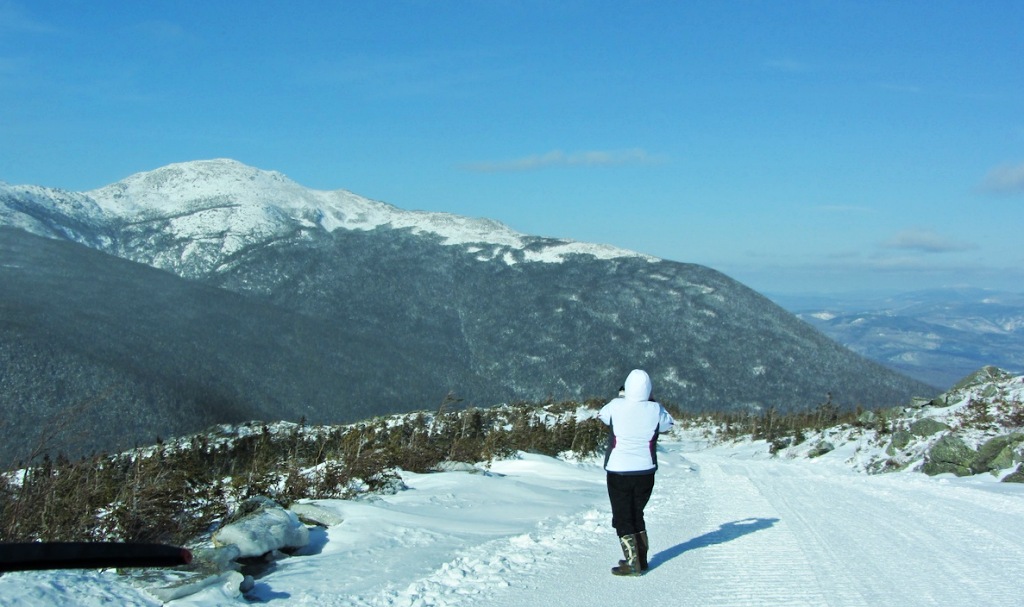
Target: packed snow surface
column 728, row 526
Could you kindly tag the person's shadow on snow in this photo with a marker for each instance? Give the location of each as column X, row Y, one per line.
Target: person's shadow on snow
column 726, row 533
column 261, row 593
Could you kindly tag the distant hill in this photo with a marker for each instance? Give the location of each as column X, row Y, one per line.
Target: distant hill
column 211, row 290
column 936, row 336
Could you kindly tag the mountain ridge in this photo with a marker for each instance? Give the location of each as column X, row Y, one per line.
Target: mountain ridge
column 416, row 312
column 255, row 200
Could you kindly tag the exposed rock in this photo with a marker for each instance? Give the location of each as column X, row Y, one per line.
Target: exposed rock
column 215, row 560
column 949, row 454
column 1015, row 477
column 247, row 584
column 986, row 375
column 927, row 426
column 868, row 418
column 314, row 514
column 449, row 466
column 900, row 439
column 919, row 402
column 997, row 453
column 821, row 448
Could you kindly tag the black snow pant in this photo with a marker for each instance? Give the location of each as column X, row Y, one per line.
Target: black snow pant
column 629, row 494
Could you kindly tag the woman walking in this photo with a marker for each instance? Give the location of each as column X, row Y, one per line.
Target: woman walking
column 634, row 423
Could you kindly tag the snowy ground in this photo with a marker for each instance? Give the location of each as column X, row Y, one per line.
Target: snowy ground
column 728, row 527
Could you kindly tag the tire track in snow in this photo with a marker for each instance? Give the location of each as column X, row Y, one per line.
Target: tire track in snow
column 744, row 555
column 895, row 541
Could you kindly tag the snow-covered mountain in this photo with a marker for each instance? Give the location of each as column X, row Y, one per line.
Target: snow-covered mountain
column 54, row 213
column 193, row 217
column 208, row 212
column 333, row 306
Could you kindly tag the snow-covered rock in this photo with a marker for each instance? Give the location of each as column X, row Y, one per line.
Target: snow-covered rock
column 216, row 559
column 264, row 527
column 315, row 514
column 974, row 428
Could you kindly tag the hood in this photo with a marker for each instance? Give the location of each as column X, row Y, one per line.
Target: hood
column 638, row 386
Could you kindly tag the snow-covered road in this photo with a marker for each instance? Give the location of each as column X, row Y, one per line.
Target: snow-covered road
column 728, row 527
column 737, row 531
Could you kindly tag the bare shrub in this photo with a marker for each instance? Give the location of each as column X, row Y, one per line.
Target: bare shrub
column 174, row 491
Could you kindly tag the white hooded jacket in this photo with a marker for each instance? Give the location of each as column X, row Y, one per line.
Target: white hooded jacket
column 635, row 423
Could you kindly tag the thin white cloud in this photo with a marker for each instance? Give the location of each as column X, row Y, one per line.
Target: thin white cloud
column 1004, row 179
column 558, row 158
column 924, row 241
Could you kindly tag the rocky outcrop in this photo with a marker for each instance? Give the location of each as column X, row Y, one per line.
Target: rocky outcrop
column 900, row 440
column 821, row 448
column 999, row 453
column 927, row 427
column 1015, row 477
column 949, row 454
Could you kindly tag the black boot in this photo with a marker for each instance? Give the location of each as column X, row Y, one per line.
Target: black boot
column 631, row 564
column 641, row 545
column 641, row 548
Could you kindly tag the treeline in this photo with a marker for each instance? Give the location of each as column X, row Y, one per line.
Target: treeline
column 178, row 490
column 175, row 491
column 787, row 429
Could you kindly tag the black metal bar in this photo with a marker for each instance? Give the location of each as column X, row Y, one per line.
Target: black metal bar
column 28, row 556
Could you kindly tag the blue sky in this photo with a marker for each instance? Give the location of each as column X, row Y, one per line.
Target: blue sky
column 799, row 146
